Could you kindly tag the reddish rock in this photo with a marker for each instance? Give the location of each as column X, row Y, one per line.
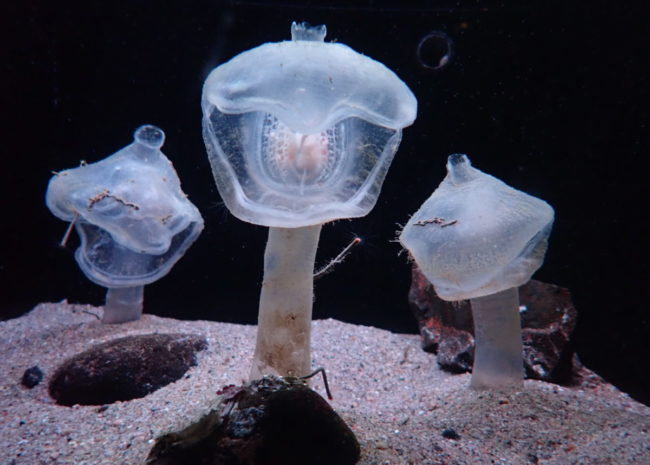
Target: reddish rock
column 548, row 319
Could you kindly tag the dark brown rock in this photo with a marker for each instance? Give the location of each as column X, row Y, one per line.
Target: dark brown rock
column 32, row 377
column 271, row 421
column 548, row 319
column 125, row 368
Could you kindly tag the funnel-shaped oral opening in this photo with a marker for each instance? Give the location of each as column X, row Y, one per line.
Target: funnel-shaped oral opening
column 304, row 31
column 460, row 168
column 149, row 136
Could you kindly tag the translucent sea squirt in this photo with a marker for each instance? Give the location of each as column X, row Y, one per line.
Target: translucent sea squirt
column 302, row 132
column 299, row 133
column 133, row 219
column 477, row 238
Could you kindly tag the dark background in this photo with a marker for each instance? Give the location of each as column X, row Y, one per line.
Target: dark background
column 552, row 100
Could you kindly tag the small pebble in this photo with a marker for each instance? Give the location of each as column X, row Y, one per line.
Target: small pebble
column 32, row 377
column 450, row 433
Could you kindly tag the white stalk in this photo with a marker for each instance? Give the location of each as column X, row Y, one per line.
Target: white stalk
column 283, row 345
column 498, row 358
column 123, row 304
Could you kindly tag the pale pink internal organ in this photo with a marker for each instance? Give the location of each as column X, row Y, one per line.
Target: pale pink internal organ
column 297, row 159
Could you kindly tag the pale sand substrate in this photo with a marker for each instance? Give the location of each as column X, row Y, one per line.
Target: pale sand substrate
column 392, row 394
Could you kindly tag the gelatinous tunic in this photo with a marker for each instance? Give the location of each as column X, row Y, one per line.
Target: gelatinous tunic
column 130, row 212
column 477, row 236
column 302, row 132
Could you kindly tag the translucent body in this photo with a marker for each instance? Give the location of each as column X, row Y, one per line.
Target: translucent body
column 302, row 132
column 477, row 236
column 133, row 219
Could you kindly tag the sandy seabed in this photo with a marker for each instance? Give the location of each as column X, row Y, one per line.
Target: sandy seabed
column 392, row 394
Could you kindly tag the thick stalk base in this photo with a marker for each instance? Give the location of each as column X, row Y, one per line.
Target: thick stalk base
column 283, row 345
column 498, row 358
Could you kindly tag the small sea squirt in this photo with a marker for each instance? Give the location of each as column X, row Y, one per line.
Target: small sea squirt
column 134, row 220
column 477, row 238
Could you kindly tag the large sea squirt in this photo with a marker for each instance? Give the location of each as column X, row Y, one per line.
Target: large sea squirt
column 299, row 133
